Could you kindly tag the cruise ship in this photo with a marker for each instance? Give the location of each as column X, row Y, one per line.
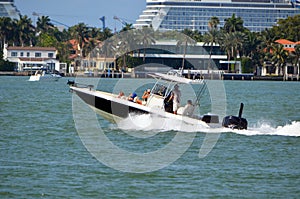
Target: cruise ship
column 195, row 14
column 8, row 9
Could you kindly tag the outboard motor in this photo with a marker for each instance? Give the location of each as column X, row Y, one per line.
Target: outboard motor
column 236, row 122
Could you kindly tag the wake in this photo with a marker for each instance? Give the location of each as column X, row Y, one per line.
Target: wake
column 292, row 129
column 150, row 126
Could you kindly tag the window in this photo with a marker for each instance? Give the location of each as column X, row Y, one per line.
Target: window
column 50, row 55
column 28, row 54
column 22, row 54
column 14, row 54
column 38, row 54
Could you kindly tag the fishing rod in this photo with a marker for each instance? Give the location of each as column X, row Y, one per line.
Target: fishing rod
column 200, row 93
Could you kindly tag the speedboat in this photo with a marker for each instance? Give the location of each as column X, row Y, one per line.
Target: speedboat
column 115, row 108
column 44, row 75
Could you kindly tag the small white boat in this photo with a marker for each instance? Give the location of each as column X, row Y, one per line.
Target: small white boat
column 114, row 109
column 44, row 75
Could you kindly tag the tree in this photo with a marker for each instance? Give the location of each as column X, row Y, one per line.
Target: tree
column 194, row 34
column 145, row 36
column 232, row 43
column 279, row 56
column 233, row 24
column 288, row 28
column 213, row 23
column 251, row 48
column 25, row 30
column 5, row 29
column 227, row 45
column 211, row 38
column 296, row 56
column 183, row 40
column 80, row 33
column 105, row 34
column 46, row 40
column 128, row 26
column 44, row 24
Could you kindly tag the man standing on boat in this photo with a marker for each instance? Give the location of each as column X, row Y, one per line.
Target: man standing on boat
column 176, row 95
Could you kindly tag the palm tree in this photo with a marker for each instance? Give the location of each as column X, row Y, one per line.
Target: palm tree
column 251, row 48
column 183, row 40
column 80, row 33
column 239, row 39
column 213, row 23
column 5, row 31
column 145, row 37
column 227, row 45
column 194, row 34
column 232, row 43
column 25, row 30
column 296, row 55
column 233, row 24
column 128, row 26
column 251, row 44
column 123, row 44
column 44, row 24
column 211, row 38
column 267, row 38
column 106, row 33
column 279, row 56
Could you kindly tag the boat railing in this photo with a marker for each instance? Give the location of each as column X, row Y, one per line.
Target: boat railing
column 78, row 85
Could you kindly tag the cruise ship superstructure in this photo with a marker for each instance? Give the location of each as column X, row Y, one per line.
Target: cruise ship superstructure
column 8, row 9
column 195, row 14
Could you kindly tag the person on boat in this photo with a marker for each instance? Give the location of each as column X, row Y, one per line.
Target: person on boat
column 137, row 100
column 132, row 96
column 168, row 103
column 121, row 95
column 162, row 91
column 176, row 95
column 146, row 95
column 188, row 109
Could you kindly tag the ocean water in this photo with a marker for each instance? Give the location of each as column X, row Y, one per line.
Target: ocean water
column 50, row 149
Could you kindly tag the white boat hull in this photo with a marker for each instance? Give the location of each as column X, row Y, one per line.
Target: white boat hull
column 48, row 77
column 115, row 109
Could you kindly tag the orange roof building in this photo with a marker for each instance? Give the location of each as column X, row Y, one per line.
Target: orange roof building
column 288, row 45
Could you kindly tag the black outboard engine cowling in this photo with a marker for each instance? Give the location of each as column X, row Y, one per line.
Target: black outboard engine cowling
column 235, row 122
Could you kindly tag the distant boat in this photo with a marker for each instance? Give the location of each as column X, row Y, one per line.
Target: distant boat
column 44, row 75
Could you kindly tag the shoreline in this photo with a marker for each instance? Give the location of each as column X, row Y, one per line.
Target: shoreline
column 227, row 76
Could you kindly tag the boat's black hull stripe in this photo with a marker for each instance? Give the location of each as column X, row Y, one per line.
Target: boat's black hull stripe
column 114, row 108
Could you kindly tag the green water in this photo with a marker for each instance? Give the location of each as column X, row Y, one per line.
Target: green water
column 42, row 155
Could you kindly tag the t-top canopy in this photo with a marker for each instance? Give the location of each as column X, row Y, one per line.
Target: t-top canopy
column 176, row 79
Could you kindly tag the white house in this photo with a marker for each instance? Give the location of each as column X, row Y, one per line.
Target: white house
column 31, row 58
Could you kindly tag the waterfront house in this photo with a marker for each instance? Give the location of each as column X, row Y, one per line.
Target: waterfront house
column 32, row 58
column 290, row 71
column 94, row 62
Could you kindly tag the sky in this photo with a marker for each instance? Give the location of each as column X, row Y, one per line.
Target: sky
column 72, row 12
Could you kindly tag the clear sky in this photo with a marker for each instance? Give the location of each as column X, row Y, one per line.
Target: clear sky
column 72, row 12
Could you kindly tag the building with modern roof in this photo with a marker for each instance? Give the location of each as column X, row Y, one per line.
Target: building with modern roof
column 195, row 14
column 8, row 9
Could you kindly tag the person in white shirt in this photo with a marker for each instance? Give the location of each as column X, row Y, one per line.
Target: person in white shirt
column 176, row 95
column 188, row 109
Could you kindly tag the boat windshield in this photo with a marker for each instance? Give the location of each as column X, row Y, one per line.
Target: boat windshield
column 159, row 89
